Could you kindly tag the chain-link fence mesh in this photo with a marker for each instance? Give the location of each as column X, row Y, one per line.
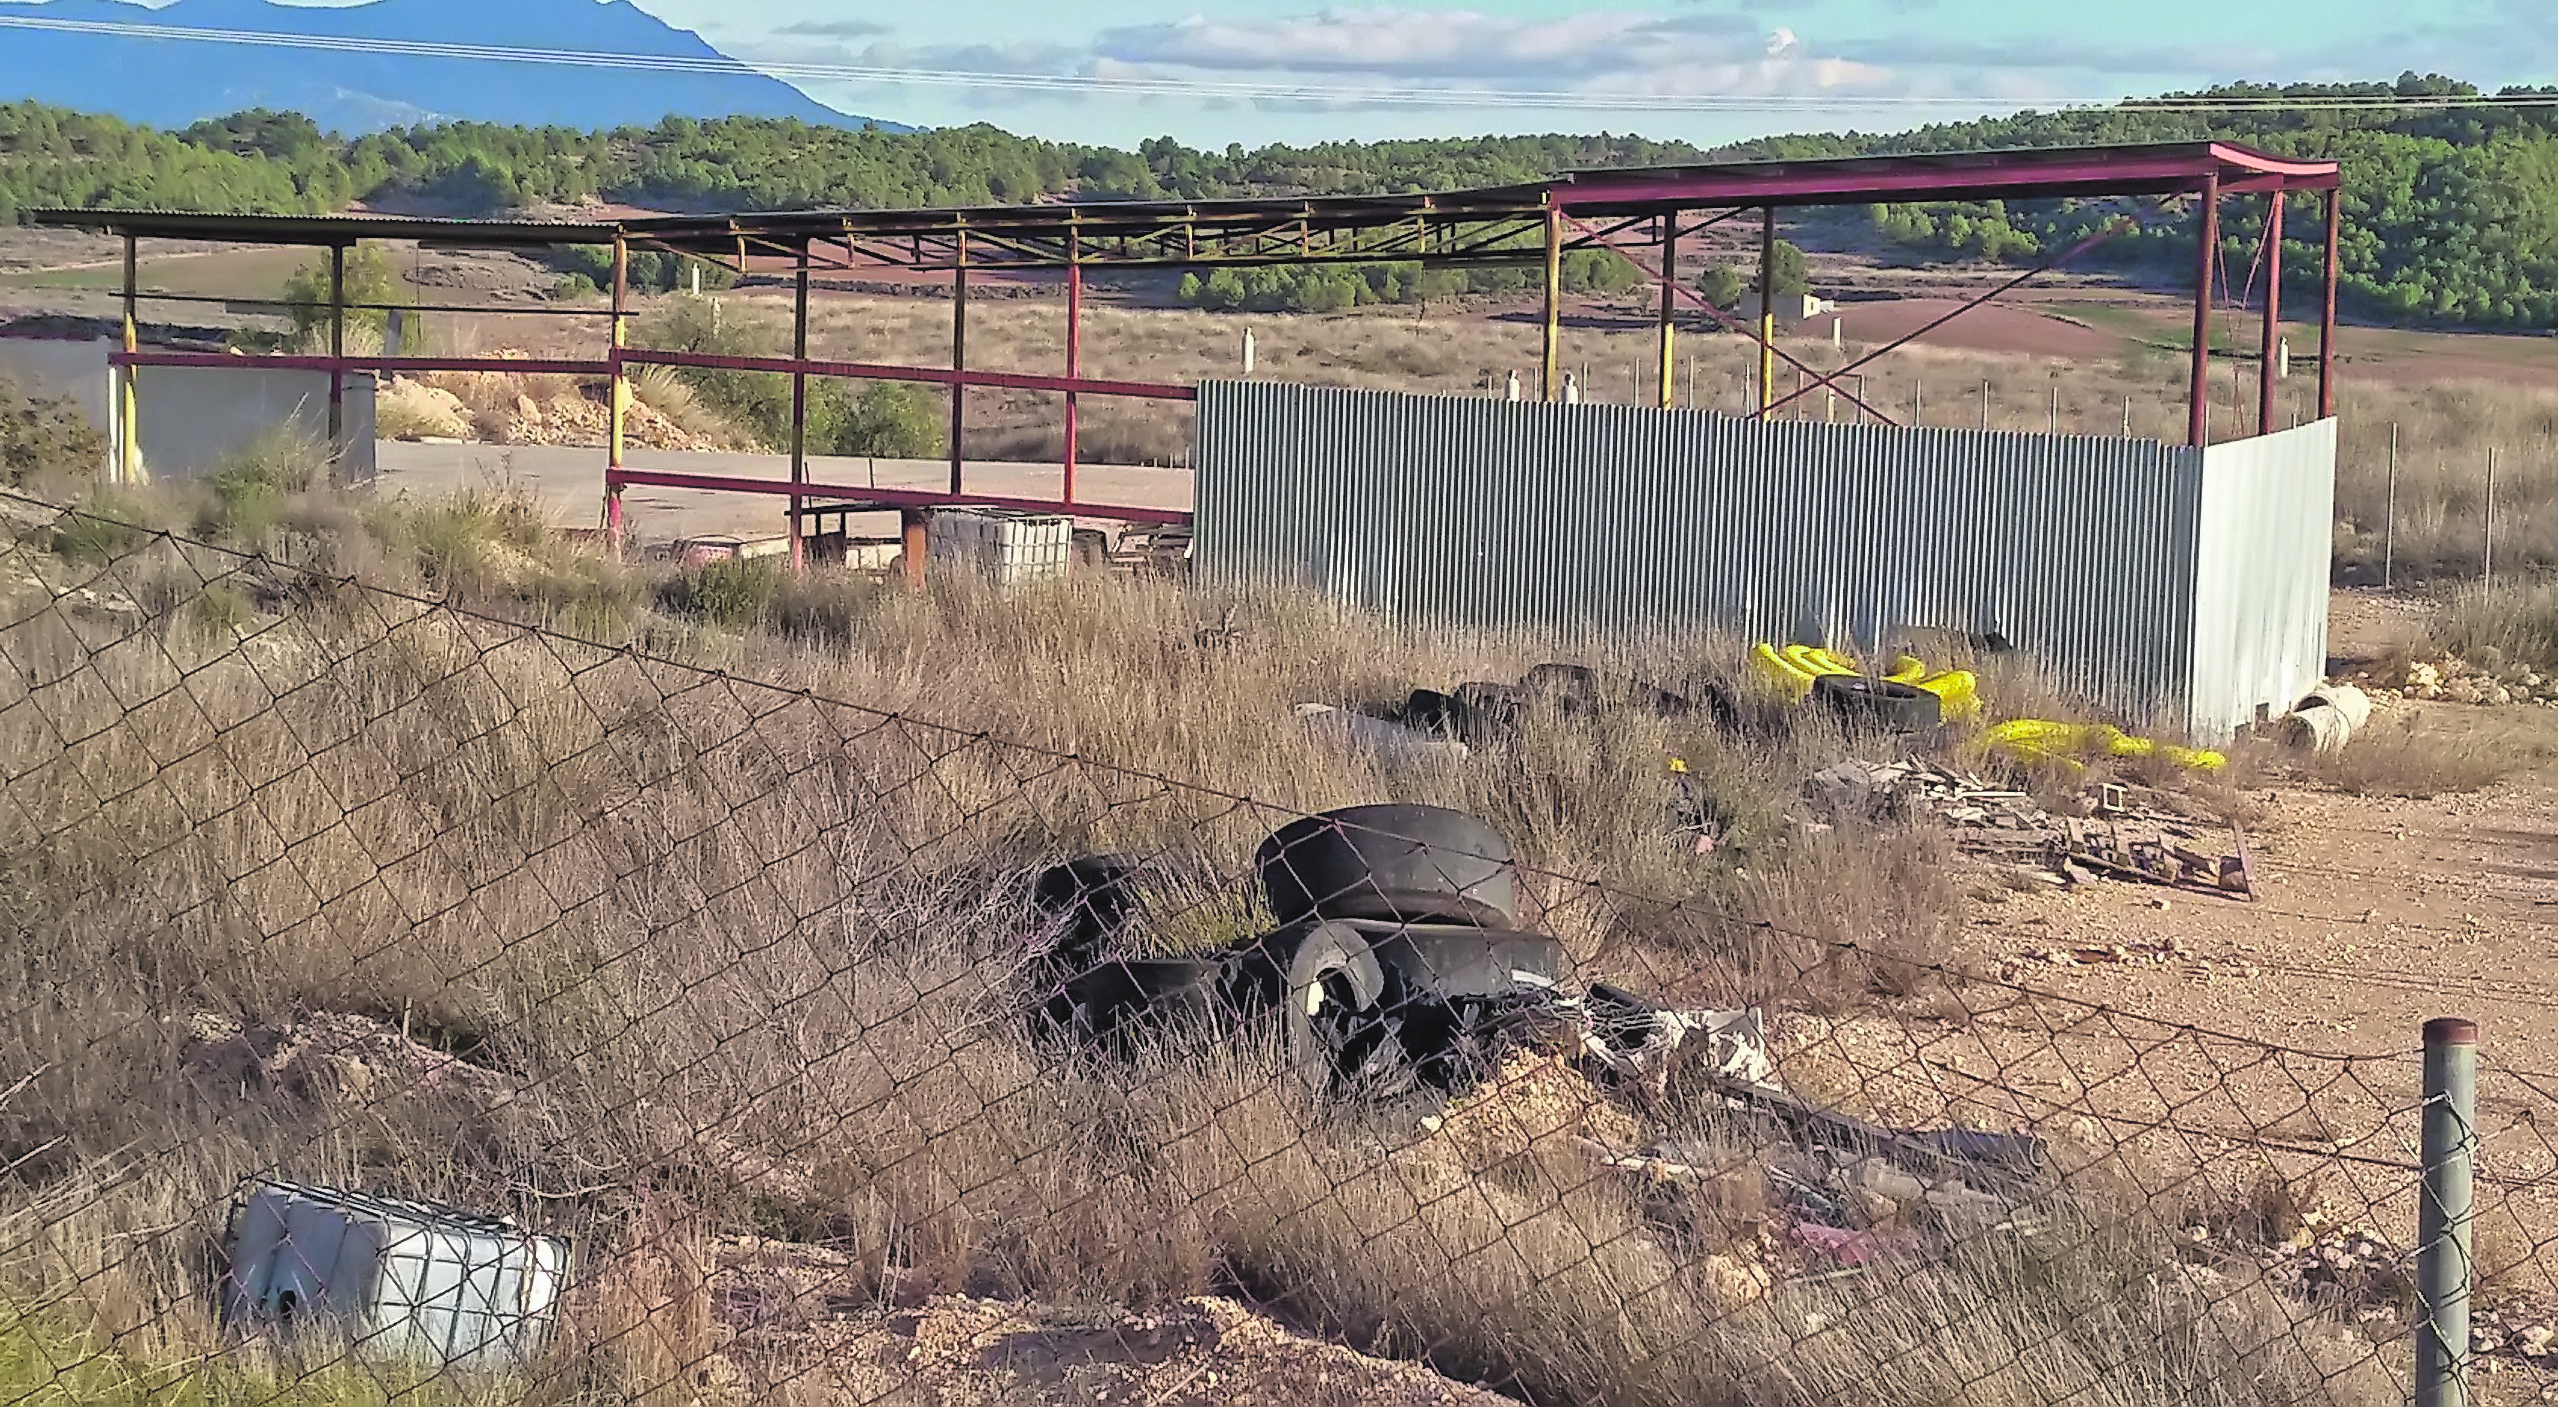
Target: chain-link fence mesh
column 410, row 1001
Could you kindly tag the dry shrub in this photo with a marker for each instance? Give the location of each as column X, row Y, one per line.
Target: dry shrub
column 2402, row 756
column 1827, row 921
column 490, row 397
column 662, row 390
column 407, row 410
column 2514, row 625
column 639, row 1320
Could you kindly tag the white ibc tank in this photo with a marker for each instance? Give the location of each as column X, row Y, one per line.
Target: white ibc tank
column 393, row 1277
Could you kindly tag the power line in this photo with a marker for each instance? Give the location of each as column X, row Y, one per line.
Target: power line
column 1147, row 85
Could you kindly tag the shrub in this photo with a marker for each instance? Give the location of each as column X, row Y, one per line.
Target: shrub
column 45, row 435
column 110, row 527
column 737, row 593
column 887, row 420
column 370, row 279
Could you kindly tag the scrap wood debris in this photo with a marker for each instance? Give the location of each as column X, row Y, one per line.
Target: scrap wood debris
column 2114, row 840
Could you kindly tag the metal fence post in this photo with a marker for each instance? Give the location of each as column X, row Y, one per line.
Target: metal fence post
column 2450, row 1146
column 2487, row 533
column 2389, row 519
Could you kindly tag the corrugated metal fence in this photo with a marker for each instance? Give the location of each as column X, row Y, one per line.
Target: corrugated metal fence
column 1596, row 519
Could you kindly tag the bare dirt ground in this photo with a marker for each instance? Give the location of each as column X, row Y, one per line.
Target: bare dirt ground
column 1993, row 326
column 2207, row 1040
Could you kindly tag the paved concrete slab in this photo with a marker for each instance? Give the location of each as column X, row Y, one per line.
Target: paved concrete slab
column 569, row 484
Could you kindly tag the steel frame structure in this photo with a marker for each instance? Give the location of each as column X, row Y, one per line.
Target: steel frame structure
column 1532, row 225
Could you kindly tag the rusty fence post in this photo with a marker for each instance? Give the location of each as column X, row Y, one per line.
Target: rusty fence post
column 2443, row 1265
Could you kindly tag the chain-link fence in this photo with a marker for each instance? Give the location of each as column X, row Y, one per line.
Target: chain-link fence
column 408, row 1001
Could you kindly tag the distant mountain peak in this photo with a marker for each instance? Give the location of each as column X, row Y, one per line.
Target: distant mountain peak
column 172, row 82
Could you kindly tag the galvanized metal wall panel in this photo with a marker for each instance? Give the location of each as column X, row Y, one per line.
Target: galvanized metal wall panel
column 2260, row 592
column 1599, row 519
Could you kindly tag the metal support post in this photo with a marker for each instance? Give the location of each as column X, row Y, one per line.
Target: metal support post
column 1549, row 368
column 1669, row 292
column 915, row 528
column 337, row 362
column 2206, row 260
column 2327, row 309
column 2266, row 348
column 1074, row 350
column 128, row 431
column 958, row 358
column 618, row 410
column 2443, row 1268
column 798, row 405
column 1767, row 308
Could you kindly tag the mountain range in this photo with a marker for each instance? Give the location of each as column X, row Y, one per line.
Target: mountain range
column 170, row 82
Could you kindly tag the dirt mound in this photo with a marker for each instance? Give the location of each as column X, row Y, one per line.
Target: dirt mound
column 499, row 407
column 1202, row 1352
column 336, row 1057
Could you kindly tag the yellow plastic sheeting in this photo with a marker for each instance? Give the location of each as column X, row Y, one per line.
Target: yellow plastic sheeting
column 2041, row 740
column 1792, row 668
column 1789, row 678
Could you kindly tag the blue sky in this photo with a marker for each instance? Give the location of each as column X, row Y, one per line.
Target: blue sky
column 1897, row 62
column 1706, row 71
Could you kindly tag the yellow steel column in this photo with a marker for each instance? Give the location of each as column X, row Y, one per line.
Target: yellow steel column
column 1669, row 289
column 128, row 467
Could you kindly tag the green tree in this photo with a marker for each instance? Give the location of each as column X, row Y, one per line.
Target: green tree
column 887, row 420
column 370, row 280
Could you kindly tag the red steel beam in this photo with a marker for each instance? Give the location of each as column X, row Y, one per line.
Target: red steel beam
column 2117, row 174
column 892, row 498
column 2198, row 406
column 364, row 363
column 2269, row 342
column 2327, row 310
column 937, row 375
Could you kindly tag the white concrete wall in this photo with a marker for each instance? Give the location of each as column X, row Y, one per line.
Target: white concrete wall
column 194, row 418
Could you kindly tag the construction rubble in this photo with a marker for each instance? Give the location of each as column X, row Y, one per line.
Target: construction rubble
column 2105, row 836
column 2488, row 679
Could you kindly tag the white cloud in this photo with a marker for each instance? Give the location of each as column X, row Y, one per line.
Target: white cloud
column 1621, row 52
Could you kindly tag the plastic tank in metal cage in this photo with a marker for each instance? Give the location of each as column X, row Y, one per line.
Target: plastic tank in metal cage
column 393, row 1277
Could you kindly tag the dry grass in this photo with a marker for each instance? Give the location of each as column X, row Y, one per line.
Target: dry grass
column 402, row 410
column 2505, row 626
column 2403, row 756
column 661, row 390
column 748, row 957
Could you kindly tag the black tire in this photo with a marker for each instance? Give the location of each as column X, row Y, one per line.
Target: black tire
column 1096, row 894
column 1579, row 689
column 1328, row 991
column 1489, row 712
column 1393, row 863
column 1432, row 712
column 1108, row 1002
column 1449, row 964
column 1860, row 702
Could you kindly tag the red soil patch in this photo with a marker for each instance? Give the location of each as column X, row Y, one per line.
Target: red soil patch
column 1988, row 327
